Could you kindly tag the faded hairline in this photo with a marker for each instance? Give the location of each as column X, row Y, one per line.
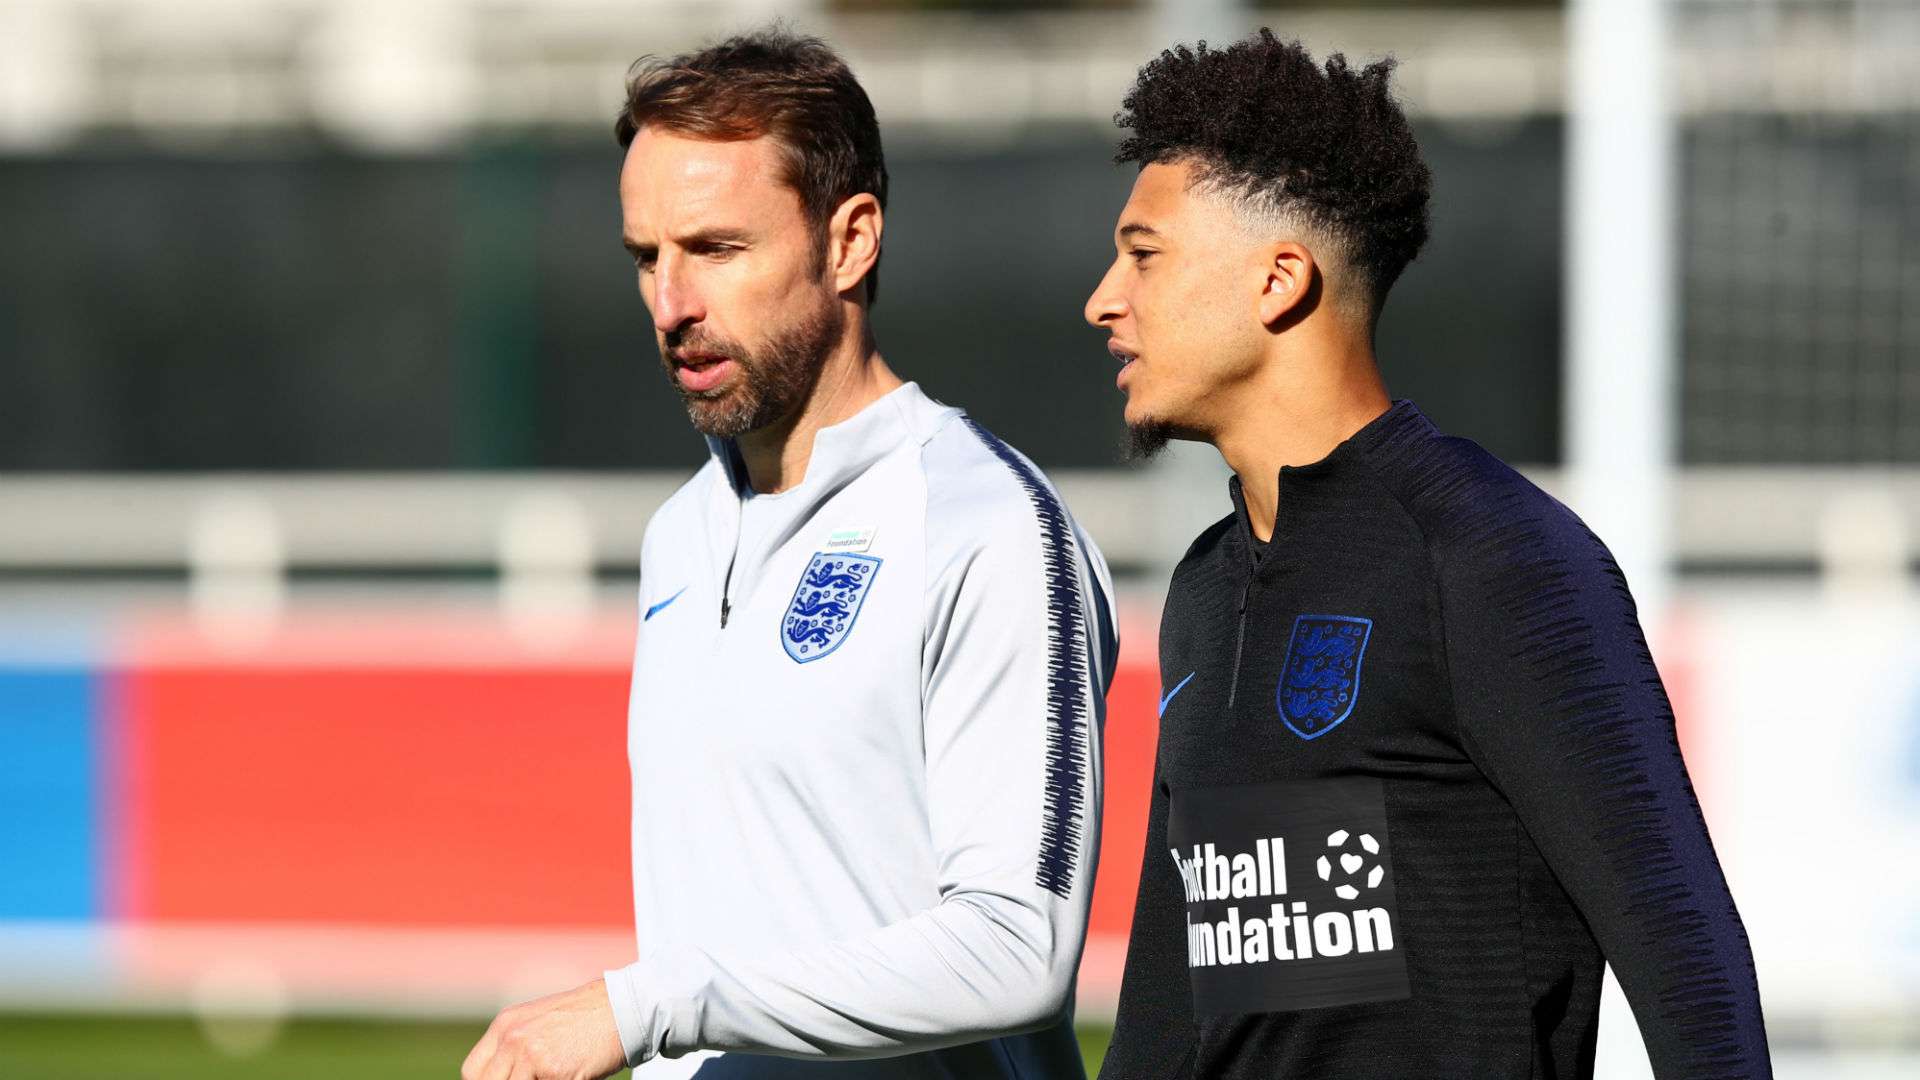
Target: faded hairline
column 1265, row 213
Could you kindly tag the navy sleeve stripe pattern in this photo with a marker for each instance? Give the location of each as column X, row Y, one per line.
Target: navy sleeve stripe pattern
column 1067, row 735
column 1608, row 714
column 1611, row 739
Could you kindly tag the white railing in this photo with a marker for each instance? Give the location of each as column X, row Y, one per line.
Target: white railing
column 537, row 524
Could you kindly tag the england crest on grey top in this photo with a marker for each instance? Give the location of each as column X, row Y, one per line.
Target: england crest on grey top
column 1321, row 676
column 826, row 603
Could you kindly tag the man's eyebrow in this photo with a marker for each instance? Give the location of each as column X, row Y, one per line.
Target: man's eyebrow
column 1134, row 229
column 717, row 234
column 714, row 235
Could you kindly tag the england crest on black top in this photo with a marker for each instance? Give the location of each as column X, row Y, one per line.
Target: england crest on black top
column 1321, row 677
column 826, row 603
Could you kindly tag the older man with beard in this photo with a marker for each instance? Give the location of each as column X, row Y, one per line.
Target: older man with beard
column 869, row 681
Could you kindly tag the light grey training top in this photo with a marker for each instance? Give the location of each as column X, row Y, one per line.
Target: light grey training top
column 865, row 741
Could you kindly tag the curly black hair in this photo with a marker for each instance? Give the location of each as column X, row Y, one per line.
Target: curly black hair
column 1263, row 123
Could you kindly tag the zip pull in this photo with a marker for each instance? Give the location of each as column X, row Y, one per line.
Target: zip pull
column 724, row 609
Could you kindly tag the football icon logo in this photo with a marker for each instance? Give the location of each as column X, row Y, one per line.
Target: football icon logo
column 1347, row 866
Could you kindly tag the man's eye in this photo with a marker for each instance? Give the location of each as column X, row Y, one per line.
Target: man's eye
column 1140, row 255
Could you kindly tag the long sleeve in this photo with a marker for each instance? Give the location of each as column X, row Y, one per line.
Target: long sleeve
column 1562, row 709
column 1156, row 1005
column 1017, row 654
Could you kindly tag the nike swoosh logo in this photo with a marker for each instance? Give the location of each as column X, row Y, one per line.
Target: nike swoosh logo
column 655, row 609
column 1168, row 700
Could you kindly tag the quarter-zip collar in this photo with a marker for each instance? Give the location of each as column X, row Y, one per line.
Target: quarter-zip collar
column 1242, row 523
column 1304, row 488
column 841, row 451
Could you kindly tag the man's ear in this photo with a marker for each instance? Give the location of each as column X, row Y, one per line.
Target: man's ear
column 1288, row 284
column 853, row 240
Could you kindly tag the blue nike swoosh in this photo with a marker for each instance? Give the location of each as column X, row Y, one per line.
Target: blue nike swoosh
column 655, row 609
column 1168, row 700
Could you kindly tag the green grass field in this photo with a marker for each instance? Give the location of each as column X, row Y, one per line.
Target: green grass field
column 173, row 1048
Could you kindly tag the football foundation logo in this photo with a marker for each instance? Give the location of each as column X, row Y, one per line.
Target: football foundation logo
column 1289, row 890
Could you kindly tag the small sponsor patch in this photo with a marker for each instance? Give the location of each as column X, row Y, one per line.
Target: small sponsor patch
column 842, row 541
column 1289, row 894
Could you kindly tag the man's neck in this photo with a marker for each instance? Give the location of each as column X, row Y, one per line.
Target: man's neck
column 1296, row 419
column 852, row 378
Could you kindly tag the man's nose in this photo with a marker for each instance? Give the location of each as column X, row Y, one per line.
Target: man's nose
column 676, row 302
column 1105, row 305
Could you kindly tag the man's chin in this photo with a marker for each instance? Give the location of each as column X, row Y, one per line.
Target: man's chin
column 1146, row 438
column 724, row 412
column 712, row 395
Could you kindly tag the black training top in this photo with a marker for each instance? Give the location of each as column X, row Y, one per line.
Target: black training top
column 1421, row 779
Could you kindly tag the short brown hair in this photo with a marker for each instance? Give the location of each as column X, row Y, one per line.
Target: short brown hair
column 770, row 82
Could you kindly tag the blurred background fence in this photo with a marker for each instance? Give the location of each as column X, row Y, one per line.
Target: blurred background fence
column 330, row 419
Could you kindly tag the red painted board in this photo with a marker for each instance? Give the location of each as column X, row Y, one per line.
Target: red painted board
column 393, row 796
column 1133, row 727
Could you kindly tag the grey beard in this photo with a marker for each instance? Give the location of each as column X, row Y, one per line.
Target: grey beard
column 773, row 380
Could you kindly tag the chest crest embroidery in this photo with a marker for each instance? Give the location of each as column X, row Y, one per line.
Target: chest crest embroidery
column 825, row 604
column 1320, row 679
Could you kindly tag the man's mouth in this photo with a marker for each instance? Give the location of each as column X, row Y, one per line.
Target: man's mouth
column 699, row 372
column 1125, row 355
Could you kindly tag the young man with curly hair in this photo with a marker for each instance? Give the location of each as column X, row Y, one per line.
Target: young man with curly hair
column 873, row 647
column 1417, row 777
